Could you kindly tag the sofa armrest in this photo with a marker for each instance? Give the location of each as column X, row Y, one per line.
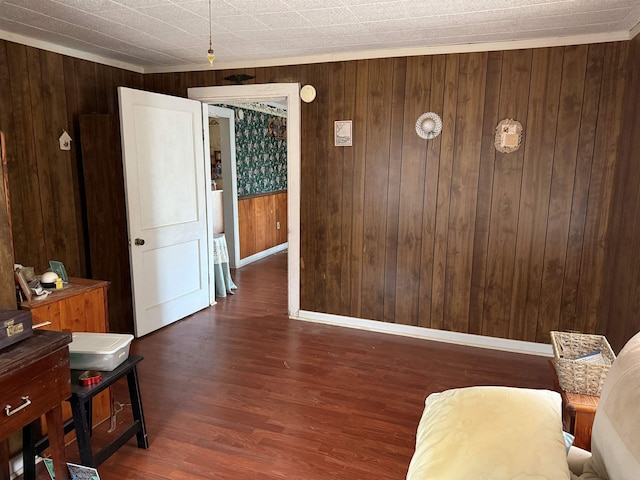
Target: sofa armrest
column 576, row 459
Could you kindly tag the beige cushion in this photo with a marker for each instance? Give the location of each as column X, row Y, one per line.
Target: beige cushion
column 490, row 433
column 615, row 441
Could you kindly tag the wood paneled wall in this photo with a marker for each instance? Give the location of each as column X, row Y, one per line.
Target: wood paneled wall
column 258, row 220
column 451, row 234
column 447, row 233
column 621, row 305
column 43, row 95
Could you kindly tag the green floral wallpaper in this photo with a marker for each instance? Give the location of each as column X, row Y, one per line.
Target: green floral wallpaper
column 261, row 161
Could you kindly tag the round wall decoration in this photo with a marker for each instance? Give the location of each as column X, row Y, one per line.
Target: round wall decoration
column 428, row 125
column 308, row 93
column 508, row 136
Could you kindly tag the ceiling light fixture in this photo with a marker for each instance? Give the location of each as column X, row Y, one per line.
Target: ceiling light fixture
column 210, row 55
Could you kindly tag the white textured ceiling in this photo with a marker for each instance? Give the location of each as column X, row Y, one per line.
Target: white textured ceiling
column 165, row 35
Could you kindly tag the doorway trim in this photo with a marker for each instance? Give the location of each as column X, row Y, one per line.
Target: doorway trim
column 290, row 91
column 230, row 189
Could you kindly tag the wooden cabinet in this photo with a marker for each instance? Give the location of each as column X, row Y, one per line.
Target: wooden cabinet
column 81, row 306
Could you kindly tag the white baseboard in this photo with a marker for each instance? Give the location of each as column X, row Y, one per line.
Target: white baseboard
column 493, row 343
column 260, row 255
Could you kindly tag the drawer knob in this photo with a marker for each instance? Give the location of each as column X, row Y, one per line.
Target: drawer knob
column 139, row 241
column 7, row 408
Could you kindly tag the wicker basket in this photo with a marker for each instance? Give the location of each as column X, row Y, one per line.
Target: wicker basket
column 576, row 376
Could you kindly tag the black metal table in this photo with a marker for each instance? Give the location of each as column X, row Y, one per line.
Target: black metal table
column 80, row 400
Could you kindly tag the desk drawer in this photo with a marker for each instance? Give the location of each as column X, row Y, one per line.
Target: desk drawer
column 47, row 383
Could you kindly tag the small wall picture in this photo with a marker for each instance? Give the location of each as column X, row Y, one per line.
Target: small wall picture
column 342, row 133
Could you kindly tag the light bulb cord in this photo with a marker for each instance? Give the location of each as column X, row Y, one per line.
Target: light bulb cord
column 209, row 24
column 210, row 54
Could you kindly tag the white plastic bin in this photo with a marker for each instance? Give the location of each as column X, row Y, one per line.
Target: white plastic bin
column 98, row 351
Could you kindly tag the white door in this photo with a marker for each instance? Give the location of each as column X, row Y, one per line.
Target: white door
column 165, row 179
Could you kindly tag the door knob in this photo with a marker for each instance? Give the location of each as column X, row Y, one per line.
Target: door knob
column 139, row 241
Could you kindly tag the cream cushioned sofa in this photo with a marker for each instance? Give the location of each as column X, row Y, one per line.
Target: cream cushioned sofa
column 504, row 433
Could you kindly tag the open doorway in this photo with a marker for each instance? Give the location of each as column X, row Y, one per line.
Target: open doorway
column 289, row 93
column 248, row 155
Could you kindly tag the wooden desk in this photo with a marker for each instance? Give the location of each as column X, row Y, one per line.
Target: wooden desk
column 578, row 414
column 34, row 380
column 81, row 306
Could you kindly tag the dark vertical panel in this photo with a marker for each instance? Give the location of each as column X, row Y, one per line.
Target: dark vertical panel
column 393, row 190
column 360, row 136
column 23, row 171
column 430, row 197
column 505, row 201
column 169, row 84
column 133, row 79
column 106, row 214
column 586, row 141
column 181, row 85
column 564, row 173
column 444, row 190
column 104, row 92
column 86, row 89
column 410, row 213
column 542, row 120
column 335, row 159
column 485, row 187
column 72, row 104
column 7, row 292
column 308, row 246
column 324, row 132
column 347, row 171
column 149, row 82
column 621, row 302
column 376, row 180
column 55, row 168
column 117, row 80
column 464, row 183
column 600, row 189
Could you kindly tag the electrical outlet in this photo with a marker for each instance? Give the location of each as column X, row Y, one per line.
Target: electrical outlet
column 277, row 225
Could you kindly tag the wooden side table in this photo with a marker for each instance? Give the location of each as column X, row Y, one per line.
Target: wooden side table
column 34, row 380
column 579, row 412
column 81, row 404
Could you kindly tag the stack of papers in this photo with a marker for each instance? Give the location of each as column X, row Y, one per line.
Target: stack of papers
column 592, row 357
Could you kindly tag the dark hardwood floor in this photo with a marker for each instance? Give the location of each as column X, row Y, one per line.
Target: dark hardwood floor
column 239, row 391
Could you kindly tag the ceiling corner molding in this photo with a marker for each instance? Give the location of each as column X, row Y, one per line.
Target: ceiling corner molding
column 330, row 57
column 403, row 52
column 71, row 52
